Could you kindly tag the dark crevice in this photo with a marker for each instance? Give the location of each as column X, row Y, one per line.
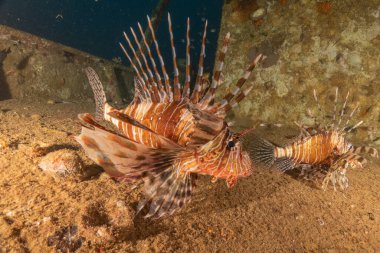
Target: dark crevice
column 123, row 87
column 4, row 86
column 23, row 63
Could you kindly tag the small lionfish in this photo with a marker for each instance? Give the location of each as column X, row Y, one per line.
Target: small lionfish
column 319, row 151
column 166, row 134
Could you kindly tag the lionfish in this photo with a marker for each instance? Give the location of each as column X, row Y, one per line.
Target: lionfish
column 167, row 135
column 320, row 152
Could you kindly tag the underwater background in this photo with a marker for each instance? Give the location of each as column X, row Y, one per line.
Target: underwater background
column 309, row 45
column 96, row 26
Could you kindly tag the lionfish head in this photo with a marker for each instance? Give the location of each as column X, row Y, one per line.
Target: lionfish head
column 342, row 145
column 346, row 146
column 225, row 158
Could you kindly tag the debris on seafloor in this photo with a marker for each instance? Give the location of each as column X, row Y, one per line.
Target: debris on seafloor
column 259, row 13
column 241, row 11
column 61, row 163
column 107, row 221
column 66, row 239
column 51, row 102
column 257, row 16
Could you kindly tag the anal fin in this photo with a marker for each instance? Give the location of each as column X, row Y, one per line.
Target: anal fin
column 283, row 164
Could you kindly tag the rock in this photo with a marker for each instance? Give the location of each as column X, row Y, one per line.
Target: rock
column 39, row 68
column 354, row 60
column 61, row 163
column 36, row 117
column 305, row 51
column 46, row 219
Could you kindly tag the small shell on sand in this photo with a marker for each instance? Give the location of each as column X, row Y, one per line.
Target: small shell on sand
column 61, row 163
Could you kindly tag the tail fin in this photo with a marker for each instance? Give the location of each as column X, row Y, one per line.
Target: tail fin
column 97, row 89
column 262, row 152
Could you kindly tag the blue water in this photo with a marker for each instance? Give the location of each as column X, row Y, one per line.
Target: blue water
column 95, row 26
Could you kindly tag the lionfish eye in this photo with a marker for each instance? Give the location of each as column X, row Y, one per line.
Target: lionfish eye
column 231, row 144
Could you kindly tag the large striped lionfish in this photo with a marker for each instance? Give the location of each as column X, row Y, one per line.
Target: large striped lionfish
column 320, row 152
column 166, row 135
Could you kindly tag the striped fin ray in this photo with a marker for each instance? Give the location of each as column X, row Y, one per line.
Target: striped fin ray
column 335, row 177
column 233, row 98
column 186, row 87
column 141, row 91
column 208, row 97
column 321, row 176
column 335, row 105
column 152, row 61
column 142, row 83
column 349, row 118
column 97, row 89
column 162, row 63
column 355, row 126
column 351, row 159
column 204, row 86
column 319, row 114
column 198, row 82
column 87, row 119
column 312, row 173
column 149, row 80
column 166, row 189
column 176, row 84
column 283, row 164
column 366, row 150
column 238, row 98
column 158, row 77
column 343, row 109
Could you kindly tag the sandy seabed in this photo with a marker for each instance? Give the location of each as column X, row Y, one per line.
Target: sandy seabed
column 266, row 212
